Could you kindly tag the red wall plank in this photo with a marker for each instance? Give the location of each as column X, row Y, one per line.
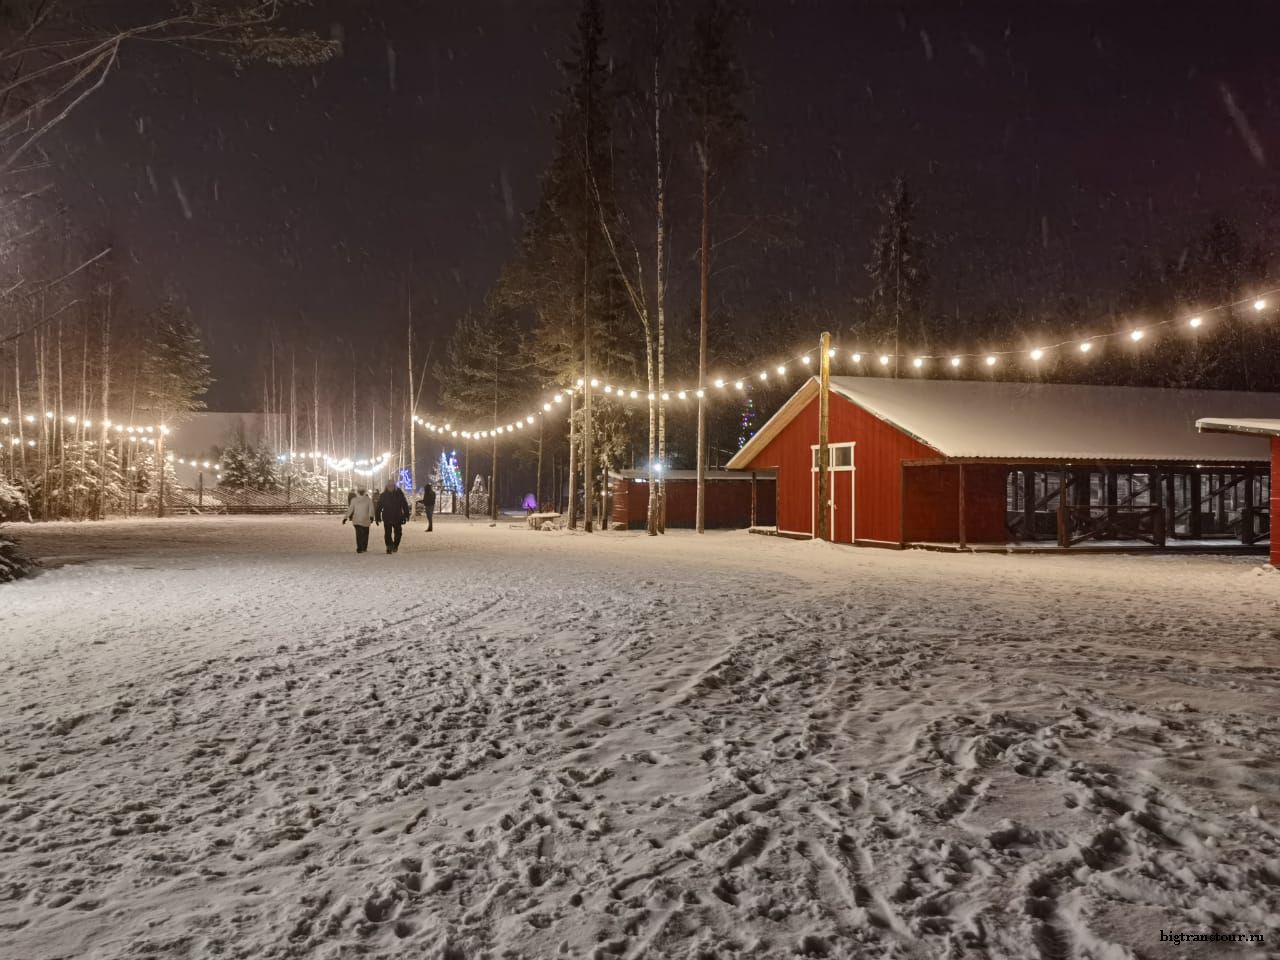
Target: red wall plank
column 1275, row 501
column 728, row 503
column 933, row 495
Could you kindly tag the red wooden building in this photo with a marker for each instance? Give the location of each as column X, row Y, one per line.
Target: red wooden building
column 733, row 500
column 963, row 461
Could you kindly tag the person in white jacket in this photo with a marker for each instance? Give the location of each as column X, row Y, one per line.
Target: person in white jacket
column 360, row 513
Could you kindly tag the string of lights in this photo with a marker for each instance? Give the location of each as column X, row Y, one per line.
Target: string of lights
column 87, row 423
column 1083, row 346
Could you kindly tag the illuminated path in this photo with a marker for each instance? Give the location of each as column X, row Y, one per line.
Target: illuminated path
column 235, row 738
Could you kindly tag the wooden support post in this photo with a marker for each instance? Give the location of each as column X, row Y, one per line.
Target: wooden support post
column 200, row 489
column 824, row 413
column 466, row 479
column 328, row 490
column 1029, row 504
column 1246, row 509
column 1195, row 505
column 1155, row 492
column 1112, row 485
column 1064, row 534
column 753, row 498
column 960, row 509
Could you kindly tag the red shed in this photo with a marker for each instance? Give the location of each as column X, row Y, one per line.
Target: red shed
column 733, row 500
column 964, row 461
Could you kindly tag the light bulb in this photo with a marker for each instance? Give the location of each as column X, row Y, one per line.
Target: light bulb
column 1259, row 305
column 955, row 361
column 764, row 374
column 634, row 394
column 831, row 353
column 805, row 361
column 546, row 406
column 884, row 360
column 991, row 361
column 700, row 393
column 1195, row 321
column 1136, row 335
column 594, row 382
column 918, row 362
column 1086, row 347
column 857, row 358
column 681, row 395
column 737, row 384
column 1037, row 353
column 719, row 384
column 781, row 369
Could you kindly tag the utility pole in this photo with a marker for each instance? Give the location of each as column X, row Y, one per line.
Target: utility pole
column 573, row 461
column 824, row 396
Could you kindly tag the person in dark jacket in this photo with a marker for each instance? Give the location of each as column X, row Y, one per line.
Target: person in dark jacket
column 392, row 512
column 428, row 503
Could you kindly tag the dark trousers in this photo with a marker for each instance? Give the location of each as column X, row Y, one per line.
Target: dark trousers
column 430, row 510
column 362, row 538
column 391, row 534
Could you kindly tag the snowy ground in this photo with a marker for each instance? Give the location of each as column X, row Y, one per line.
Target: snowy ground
column 235, row 738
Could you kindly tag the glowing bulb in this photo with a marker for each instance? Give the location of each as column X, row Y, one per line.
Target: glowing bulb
column 519, row 424
column 1086, row 347
column 764, row 374
column 634, row 394
column 1195, row 321
column 955, row 361
column 737, row 384
column 665, row 396
column 781, row 369
column 1259, row 305
column 884, row 360
column 857, row 358
column 719, row 384
column 831, row 353
column 31, row 419
column 918, row 362
column 991, row 361
column 1136, row 335
column 579, row 381
column 681, row 395
column 559, row 398
column 4, row 421
column 546, row 406
column 700, row 393
column 594, row 382
column 1037, row 353
column 653, row 396
column 805, row 361
column 608, row 388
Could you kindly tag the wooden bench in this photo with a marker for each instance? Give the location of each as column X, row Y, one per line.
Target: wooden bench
column 536, row 520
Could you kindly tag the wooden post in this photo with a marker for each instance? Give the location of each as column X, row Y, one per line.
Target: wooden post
column 1112, row 496
column 466, row 479
column 328, row 490
column 1029, row 503
column 288, row 489
column 1064, row 533
column 200, row 489
column 824, row 413
column 1246, row 510
column 573, row 461
column 960, row 509
column 1155, row 493
column 753, row 498
column 1195, row 505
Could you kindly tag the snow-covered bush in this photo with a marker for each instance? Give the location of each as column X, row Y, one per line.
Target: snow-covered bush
column 13, row 503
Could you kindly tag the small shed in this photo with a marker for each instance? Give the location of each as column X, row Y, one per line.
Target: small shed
column 918, row 461
column 733, row 499
column 1261, row 430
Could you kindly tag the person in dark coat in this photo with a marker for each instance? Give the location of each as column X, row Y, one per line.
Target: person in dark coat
column 428, row 504
column 392, row 512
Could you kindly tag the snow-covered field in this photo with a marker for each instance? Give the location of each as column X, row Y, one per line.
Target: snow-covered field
column 235, row 738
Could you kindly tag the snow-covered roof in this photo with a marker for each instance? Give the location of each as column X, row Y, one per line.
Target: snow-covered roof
column 983, row 419
column 1266, row 428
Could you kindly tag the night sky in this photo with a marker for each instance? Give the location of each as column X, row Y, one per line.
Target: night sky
column 1052, row 146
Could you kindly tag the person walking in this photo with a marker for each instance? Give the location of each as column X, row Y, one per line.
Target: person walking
column 428, row 504
column 392, row 512
column 360, row 513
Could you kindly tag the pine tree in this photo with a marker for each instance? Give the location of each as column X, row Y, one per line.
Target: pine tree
column 899, row 278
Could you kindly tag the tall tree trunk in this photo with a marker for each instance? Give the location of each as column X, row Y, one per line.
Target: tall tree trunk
column 573, row 460
column 413, row 402
column 106, row 391
column 587, row 425
column 704, row 271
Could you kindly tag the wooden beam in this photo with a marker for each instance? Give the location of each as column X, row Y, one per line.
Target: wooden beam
column 1029, row 503
column 960, row 516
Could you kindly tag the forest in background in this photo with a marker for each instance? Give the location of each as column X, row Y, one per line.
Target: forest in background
column 633, row 246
